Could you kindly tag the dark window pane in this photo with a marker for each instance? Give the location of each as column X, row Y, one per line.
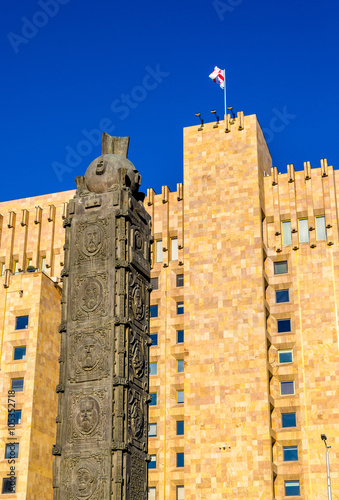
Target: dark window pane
column 153, row 463
column 180, row 280
column 155, row 283
column 14, row 417
column 154, row 337
column 292, row 488
column 153, row 368
column 285, row 356
column 180, row 308
column 180, row 336
column 284, row 325
column 12, row 450
column 21, row 322
column 154, row 311
column 180, row 427
column 19, row 353
column 154, row 399
column 288, row 420
column 286, row 388
column 17, row 384
column 282, row 296
column 9, row 485
column 180, row 460
column 280, row 267
column 290, row 453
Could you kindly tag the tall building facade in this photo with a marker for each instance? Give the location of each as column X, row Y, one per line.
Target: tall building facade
column 244, row 321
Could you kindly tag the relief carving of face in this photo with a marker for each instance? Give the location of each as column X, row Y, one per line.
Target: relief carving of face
column 137, row 419
column 138, row 303
column 88, row 415
column 92, row 239
column 88, row 353
column 138, row 360
column 84, row 482
column 91, row 296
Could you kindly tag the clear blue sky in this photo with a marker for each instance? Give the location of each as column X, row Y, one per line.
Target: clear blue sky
column 69, row 76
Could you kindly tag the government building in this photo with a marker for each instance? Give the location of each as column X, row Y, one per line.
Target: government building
column 244, row 364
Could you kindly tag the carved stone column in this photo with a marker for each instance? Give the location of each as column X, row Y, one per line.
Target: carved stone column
column 102, row 422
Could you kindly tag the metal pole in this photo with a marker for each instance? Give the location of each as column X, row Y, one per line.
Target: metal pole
column 329, row 491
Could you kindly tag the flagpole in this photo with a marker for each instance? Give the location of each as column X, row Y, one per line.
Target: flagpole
column 225, row 98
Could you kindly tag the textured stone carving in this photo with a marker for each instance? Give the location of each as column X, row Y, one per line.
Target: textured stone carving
column 136, row 418
column 91, row 240
column 87, row 415
column 137, row 299
column 137, row 484
column 90, row 296
column 84, row 477
column 138, row 362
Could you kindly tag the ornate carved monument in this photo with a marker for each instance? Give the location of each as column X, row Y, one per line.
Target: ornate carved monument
column 102, row 422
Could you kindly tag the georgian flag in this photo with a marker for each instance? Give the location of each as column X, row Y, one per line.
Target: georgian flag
column 218, row 76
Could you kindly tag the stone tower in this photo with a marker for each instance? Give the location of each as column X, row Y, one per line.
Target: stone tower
column 102, row 422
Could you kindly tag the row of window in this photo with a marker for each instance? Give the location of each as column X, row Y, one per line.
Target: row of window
column 29, row 264
column 152, row 493
column 179, row 398
column 153, row 367
column 304, row 230
column 179, row 282
column 180, row 337
column 154, row 310
column 159, row 250
column 152, row 429
column 180, row 461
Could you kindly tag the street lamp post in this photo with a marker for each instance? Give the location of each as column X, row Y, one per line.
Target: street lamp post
column 327, row 446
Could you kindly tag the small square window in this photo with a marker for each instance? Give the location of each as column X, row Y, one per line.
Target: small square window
column 180, row 280
column 280, row 267
column 14, row 418
column 286, row 232
column 43, row 265
column 153, row 368
column 17, row 384
column 2, row 269
column 304, row 234
column 180, row 365
column 153, row 463
column 286, row 388
column 158, row 251
column 174, row 249
column 180, row 397
column 180, row 460
column 154, row 399
column 283, row 325
column 153, row 311
column 9, row 485
column 154, row 337
column 290, row 453
column 16, row 267
column 21, row 322
column 180, row 493
column 180, row 336
column 288, row 420
column 19, row 353
column 292, row 488
column 285, row 356
column 180, row 308
column 12, row 450
column 321, row 228
column 152, row 430
column 180, row 427
column 155, row 283
column 282, row 296
column 152, row 492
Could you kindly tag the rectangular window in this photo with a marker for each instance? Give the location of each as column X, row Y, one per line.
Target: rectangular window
column 9, row 485
column 180, row 493
column 280, row 267
column 282, row 296
column 285, row 356
column 19, row 353
column 14, row 417
column 158, row 251
column 180, row 365
column 180, row 460
column 180, row 280
column 2, row 269
column 152, row 430
column 286, row 232
column 16, row 267
column 21, row 322
column 180, row 308
column 284, row 325
column 12, row 450
column 154, row 337
column 180, row 336
column 180, row 427
column 304, row 235
column 154, row 399
column 153, row 368
column 43, row 264
column 17, row 384
column 152, row 492
column 180, row 397
column 174, row 249
column 29, row 263
column 290, row 453
column 292, row 488
column 155, row 283
column 286, row 388
column 153, row 311
column 320, row 226
column 153, row 463
column 288, row 420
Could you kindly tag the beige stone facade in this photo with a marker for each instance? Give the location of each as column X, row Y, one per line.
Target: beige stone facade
column 245, row 367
